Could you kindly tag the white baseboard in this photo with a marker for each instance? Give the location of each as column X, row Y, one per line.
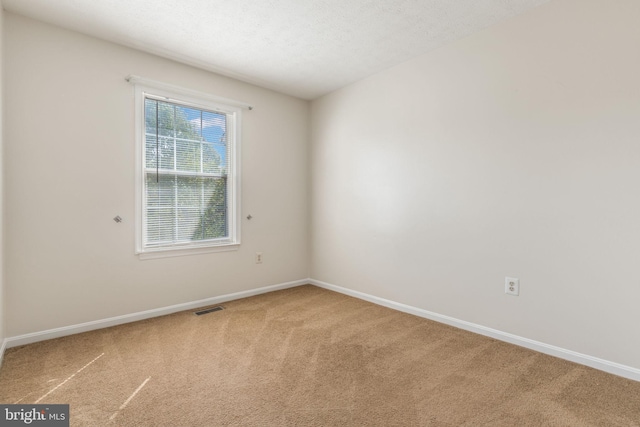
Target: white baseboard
column 133, row 317
column 583, row 359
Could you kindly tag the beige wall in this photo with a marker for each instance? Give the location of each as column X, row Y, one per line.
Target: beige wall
column 513, row 152
column 69, row 141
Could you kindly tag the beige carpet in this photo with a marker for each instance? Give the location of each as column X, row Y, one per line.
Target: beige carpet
column 309, row 357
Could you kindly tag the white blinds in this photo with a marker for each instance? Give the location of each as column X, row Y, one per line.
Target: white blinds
column 186, row 166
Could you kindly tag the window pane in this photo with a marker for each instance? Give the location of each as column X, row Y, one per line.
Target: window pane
column 214, row 126
column 185, row 208
column 160, row 225
column 150, row 107
column 188, row 155
column 189, row 191
column 211, row 159
column 166, row 153
column 189, row 220
column 214, row 218
column 150, row 150
column 166, row 119
column 160, row 190
column 188, row 123
column 214, row 133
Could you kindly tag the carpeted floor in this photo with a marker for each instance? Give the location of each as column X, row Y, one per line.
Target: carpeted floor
column 309, row 357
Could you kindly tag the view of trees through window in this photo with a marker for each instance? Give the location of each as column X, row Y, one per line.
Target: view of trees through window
column 185, row 173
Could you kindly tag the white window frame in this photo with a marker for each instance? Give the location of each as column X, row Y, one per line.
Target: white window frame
column 174, row 94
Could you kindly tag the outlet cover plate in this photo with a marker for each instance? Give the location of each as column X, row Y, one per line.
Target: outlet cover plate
column 512, row 286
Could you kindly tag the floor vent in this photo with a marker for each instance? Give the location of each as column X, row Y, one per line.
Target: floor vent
column 209, row 310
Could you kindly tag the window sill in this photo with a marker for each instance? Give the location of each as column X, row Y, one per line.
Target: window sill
column 166, row 253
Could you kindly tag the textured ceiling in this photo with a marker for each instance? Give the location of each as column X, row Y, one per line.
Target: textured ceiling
column 304, row 48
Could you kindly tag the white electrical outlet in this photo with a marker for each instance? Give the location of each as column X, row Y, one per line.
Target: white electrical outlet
column 512, row 286
column 258, row 257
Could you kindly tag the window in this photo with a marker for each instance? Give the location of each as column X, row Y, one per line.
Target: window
column 188, row 183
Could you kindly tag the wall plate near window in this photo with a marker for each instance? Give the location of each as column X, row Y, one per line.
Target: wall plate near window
column 188, row 173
